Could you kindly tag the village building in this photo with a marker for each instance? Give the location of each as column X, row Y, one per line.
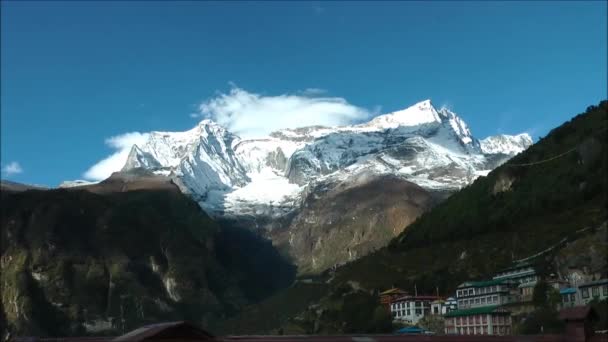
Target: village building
column 521, row 272
column 483, row 293
column 387, row 297
column 410, row 309
column 525, row 275
column 451, row 303
column 526, row 290
column 570, row 297
column 557, row 283
column 589, row 291
column 485, row 320
column 443, row 306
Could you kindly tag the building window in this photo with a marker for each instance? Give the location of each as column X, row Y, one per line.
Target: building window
column 605, row 290
column 572, row 297
column 585, row 293
column 483, row 300
column 477, row 300
column 409, row 312
column 418, row 312
column 495, row 299
column 595, row 291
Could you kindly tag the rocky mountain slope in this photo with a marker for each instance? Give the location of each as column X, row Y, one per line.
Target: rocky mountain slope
column 9, row 186
column 552, row 194
column 280, row 184
column 131, row 250
column 347, row 220
column 267, row 177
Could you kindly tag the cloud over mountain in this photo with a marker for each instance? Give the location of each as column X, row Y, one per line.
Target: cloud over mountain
column 254, row 115
column 122, row 145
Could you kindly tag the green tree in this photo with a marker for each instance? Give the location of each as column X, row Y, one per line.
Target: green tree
column 381, row 321
column 543, row 320
column 540, row 295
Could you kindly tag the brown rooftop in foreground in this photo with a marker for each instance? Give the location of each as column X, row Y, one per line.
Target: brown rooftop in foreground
column 577, row 320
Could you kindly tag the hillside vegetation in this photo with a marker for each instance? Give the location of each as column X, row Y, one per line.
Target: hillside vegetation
column 78, row 262
column 541, row 199
column 544, row 194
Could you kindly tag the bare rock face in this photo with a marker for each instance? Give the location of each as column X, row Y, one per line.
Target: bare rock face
column 503, row 183
column 276, row 159
column 343, row 221
column 584, row 259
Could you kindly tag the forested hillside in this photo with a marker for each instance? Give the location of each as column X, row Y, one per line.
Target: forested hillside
column 552, row 193
column 545, row 194
column 98, row 260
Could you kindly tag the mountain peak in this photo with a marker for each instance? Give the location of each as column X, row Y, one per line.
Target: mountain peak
column 426, row 104
column 506, row 144
column 420, row 113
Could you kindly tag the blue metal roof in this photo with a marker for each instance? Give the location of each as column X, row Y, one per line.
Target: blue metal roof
column 410, row 330
column 567, row 290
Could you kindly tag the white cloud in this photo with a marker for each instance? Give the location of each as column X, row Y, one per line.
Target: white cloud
column 249, row 115
column 254, row 115
column 122, row 145
column 13, row 168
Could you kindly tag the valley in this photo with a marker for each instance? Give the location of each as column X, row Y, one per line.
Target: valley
column 303, row 218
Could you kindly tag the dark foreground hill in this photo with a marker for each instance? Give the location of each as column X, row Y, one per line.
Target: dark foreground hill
column 544, row 196
column 108, row 258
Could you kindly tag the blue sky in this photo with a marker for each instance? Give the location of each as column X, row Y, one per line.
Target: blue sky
column 77, row 73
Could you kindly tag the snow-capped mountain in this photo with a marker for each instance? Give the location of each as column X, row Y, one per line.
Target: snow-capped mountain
column 228, row 175
column 506, row 144
column 76, row 183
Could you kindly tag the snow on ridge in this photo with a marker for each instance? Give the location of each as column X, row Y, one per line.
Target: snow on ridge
column 75, row 183
column 419, row 114
column 266, row 176
column 506, row 144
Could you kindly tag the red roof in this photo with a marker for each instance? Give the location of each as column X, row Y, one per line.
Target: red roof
column 421, row 298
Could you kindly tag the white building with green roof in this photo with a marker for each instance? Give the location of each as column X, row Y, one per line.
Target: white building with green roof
column 474, row 294
column 484, row 320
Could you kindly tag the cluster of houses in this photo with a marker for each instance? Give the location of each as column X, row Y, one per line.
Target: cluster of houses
column 483, row 307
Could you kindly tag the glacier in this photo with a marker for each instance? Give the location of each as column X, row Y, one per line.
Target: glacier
column 267, row 177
